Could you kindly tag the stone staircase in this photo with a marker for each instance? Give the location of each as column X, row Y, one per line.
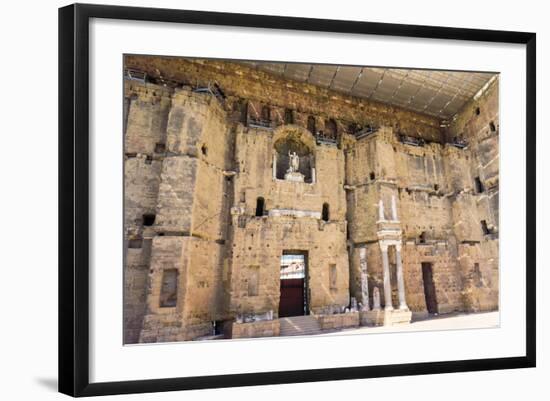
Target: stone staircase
column 299, row 326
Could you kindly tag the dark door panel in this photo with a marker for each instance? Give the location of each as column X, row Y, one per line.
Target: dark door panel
column 429, row 287
column 292, row 297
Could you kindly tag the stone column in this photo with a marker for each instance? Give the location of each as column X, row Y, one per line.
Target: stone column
column 274, row 165
column 394, row 209
column 387, row 282
column 400, row 281
column 364, row 278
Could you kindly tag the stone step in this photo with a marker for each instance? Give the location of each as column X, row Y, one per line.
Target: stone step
column 302, row 328
column 299, row 330
column 299, row 326
column 299, row 320
column 301, row 333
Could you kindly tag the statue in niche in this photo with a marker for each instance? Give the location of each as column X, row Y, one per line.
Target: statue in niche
column 353, row 305
column 294, row 162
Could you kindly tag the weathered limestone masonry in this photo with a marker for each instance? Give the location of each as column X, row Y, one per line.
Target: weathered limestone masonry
column 228, row 168
column 292, row 221
column 146, row 110
column 447, row 198
column 478, row 251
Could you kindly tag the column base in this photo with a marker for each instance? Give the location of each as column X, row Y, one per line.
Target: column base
column 397, row 317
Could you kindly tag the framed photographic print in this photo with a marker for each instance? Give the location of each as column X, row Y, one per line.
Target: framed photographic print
column 248, row 199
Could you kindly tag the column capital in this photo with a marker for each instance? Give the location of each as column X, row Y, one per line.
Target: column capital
column 384, row 246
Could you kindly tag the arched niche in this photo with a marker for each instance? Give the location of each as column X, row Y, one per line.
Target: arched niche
column 293, row 139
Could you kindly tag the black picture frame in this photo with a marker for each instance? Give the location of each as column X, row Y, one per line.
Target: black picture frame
column 74, row 198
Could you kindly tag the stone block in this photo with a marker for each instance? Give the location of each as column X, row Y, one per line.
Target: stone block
column 265, row 328
column 373, row 317
column 397, row 317
column 338, row 321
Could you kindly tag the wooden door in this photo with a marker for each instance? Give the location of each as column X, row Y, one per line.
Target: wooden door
column 292, row 297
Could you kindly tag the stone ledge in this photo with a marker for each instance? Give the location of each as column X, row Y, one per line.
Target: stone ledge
column 294, row 213
column 156, row 331
column 338, row 321
column 381, row 317
column 373, row 317
column 397, row 317
column 265, row 328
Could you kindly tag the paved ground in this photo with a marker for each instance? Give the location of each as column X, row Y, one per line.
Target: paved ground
column 444, row 322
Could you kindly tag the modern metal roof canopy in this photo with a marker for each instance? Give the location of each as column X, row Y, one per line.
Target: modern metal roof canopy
column 437, row 93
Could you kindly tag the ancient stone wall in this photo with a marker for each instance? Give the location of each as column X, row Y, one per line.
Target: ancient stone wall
column 446, row 276
column 261, row 242
column 255, row 154
column 146, row 113
column 136, row 274
column 175, row 195
column 446, row 217
column 268, row 328
column 146, row 117
column 291, row 221
column 242, row 82
column 478, row 258
column 209, row 209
